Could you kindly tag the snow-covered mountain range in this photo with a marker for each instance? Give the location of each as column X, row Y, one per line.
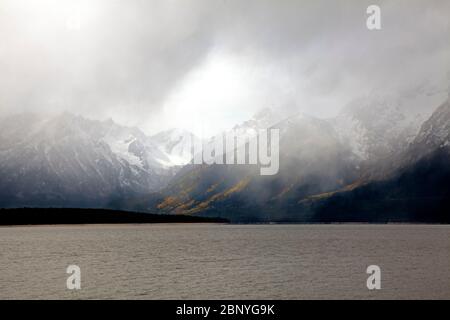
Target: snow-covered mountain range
column 379, row 126
column 370, row 140
column 70, row 160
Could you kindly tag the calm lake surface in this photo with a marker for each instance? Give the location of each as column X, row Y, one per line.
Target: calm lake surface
column 214, row 261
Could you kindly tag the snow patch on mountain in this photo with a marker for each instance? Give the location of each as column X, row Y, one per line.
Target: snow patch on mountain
column 174, row 146
column 380, row 125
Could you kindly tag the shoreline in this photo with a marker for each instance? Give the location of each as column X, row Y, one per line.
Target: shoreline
column 118, row 224
column 86, row 216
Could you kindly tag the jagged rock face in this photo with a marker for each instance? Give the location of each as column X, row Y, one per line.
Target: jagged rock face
column 414, row 188
column 435, row 132
column 378, row 127
column 68, row 160
column 434, row 135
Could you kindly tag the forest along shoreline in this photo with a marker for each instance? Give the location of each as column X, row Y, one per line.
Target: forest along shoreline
column 56, row 216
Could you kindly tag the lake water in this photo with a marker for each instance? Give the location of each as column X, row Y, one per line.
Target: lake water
column 214, row 261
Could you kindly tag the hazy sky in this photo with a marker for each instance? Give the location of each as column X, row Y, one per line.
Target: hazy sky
column 207, row 65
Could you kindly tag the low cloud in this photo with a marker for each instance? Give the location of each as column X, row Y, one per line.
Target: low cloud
column 142, row 62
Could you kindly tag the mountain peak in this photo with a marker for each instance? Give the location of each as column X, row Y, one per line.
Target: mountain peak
column 435, row 132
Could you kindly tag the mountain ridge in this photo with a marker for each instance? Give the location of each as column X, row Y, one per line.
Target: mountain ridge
column 241, row 195
column 68, row 160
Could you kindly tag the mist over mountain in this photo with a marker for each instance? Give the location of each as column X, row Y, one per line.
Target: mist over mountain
column 369, row 163
column 377, row 126
column 174, row 146
column 417, row 190
column 68, row 160
column 345, row 168
column 387, row 143
column 102, row 101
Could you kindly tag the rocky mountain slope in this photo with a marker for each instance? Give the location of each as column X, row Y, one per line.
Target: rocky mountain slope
column 67, row 160
column 417, row 191
column 378, row 126
column 312, row 160
column 381, row 159
column 318, row 165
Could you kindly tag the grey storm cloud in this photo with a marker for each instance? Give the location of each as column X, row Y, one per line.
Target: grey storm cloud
column 126, row 58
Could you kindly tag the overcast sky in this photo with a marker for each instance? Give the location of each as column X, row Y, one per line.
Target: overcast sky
column 207, row 65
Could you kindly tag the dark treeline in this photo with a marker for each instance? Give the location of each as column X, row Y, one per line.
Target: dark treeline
column 37, row 216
